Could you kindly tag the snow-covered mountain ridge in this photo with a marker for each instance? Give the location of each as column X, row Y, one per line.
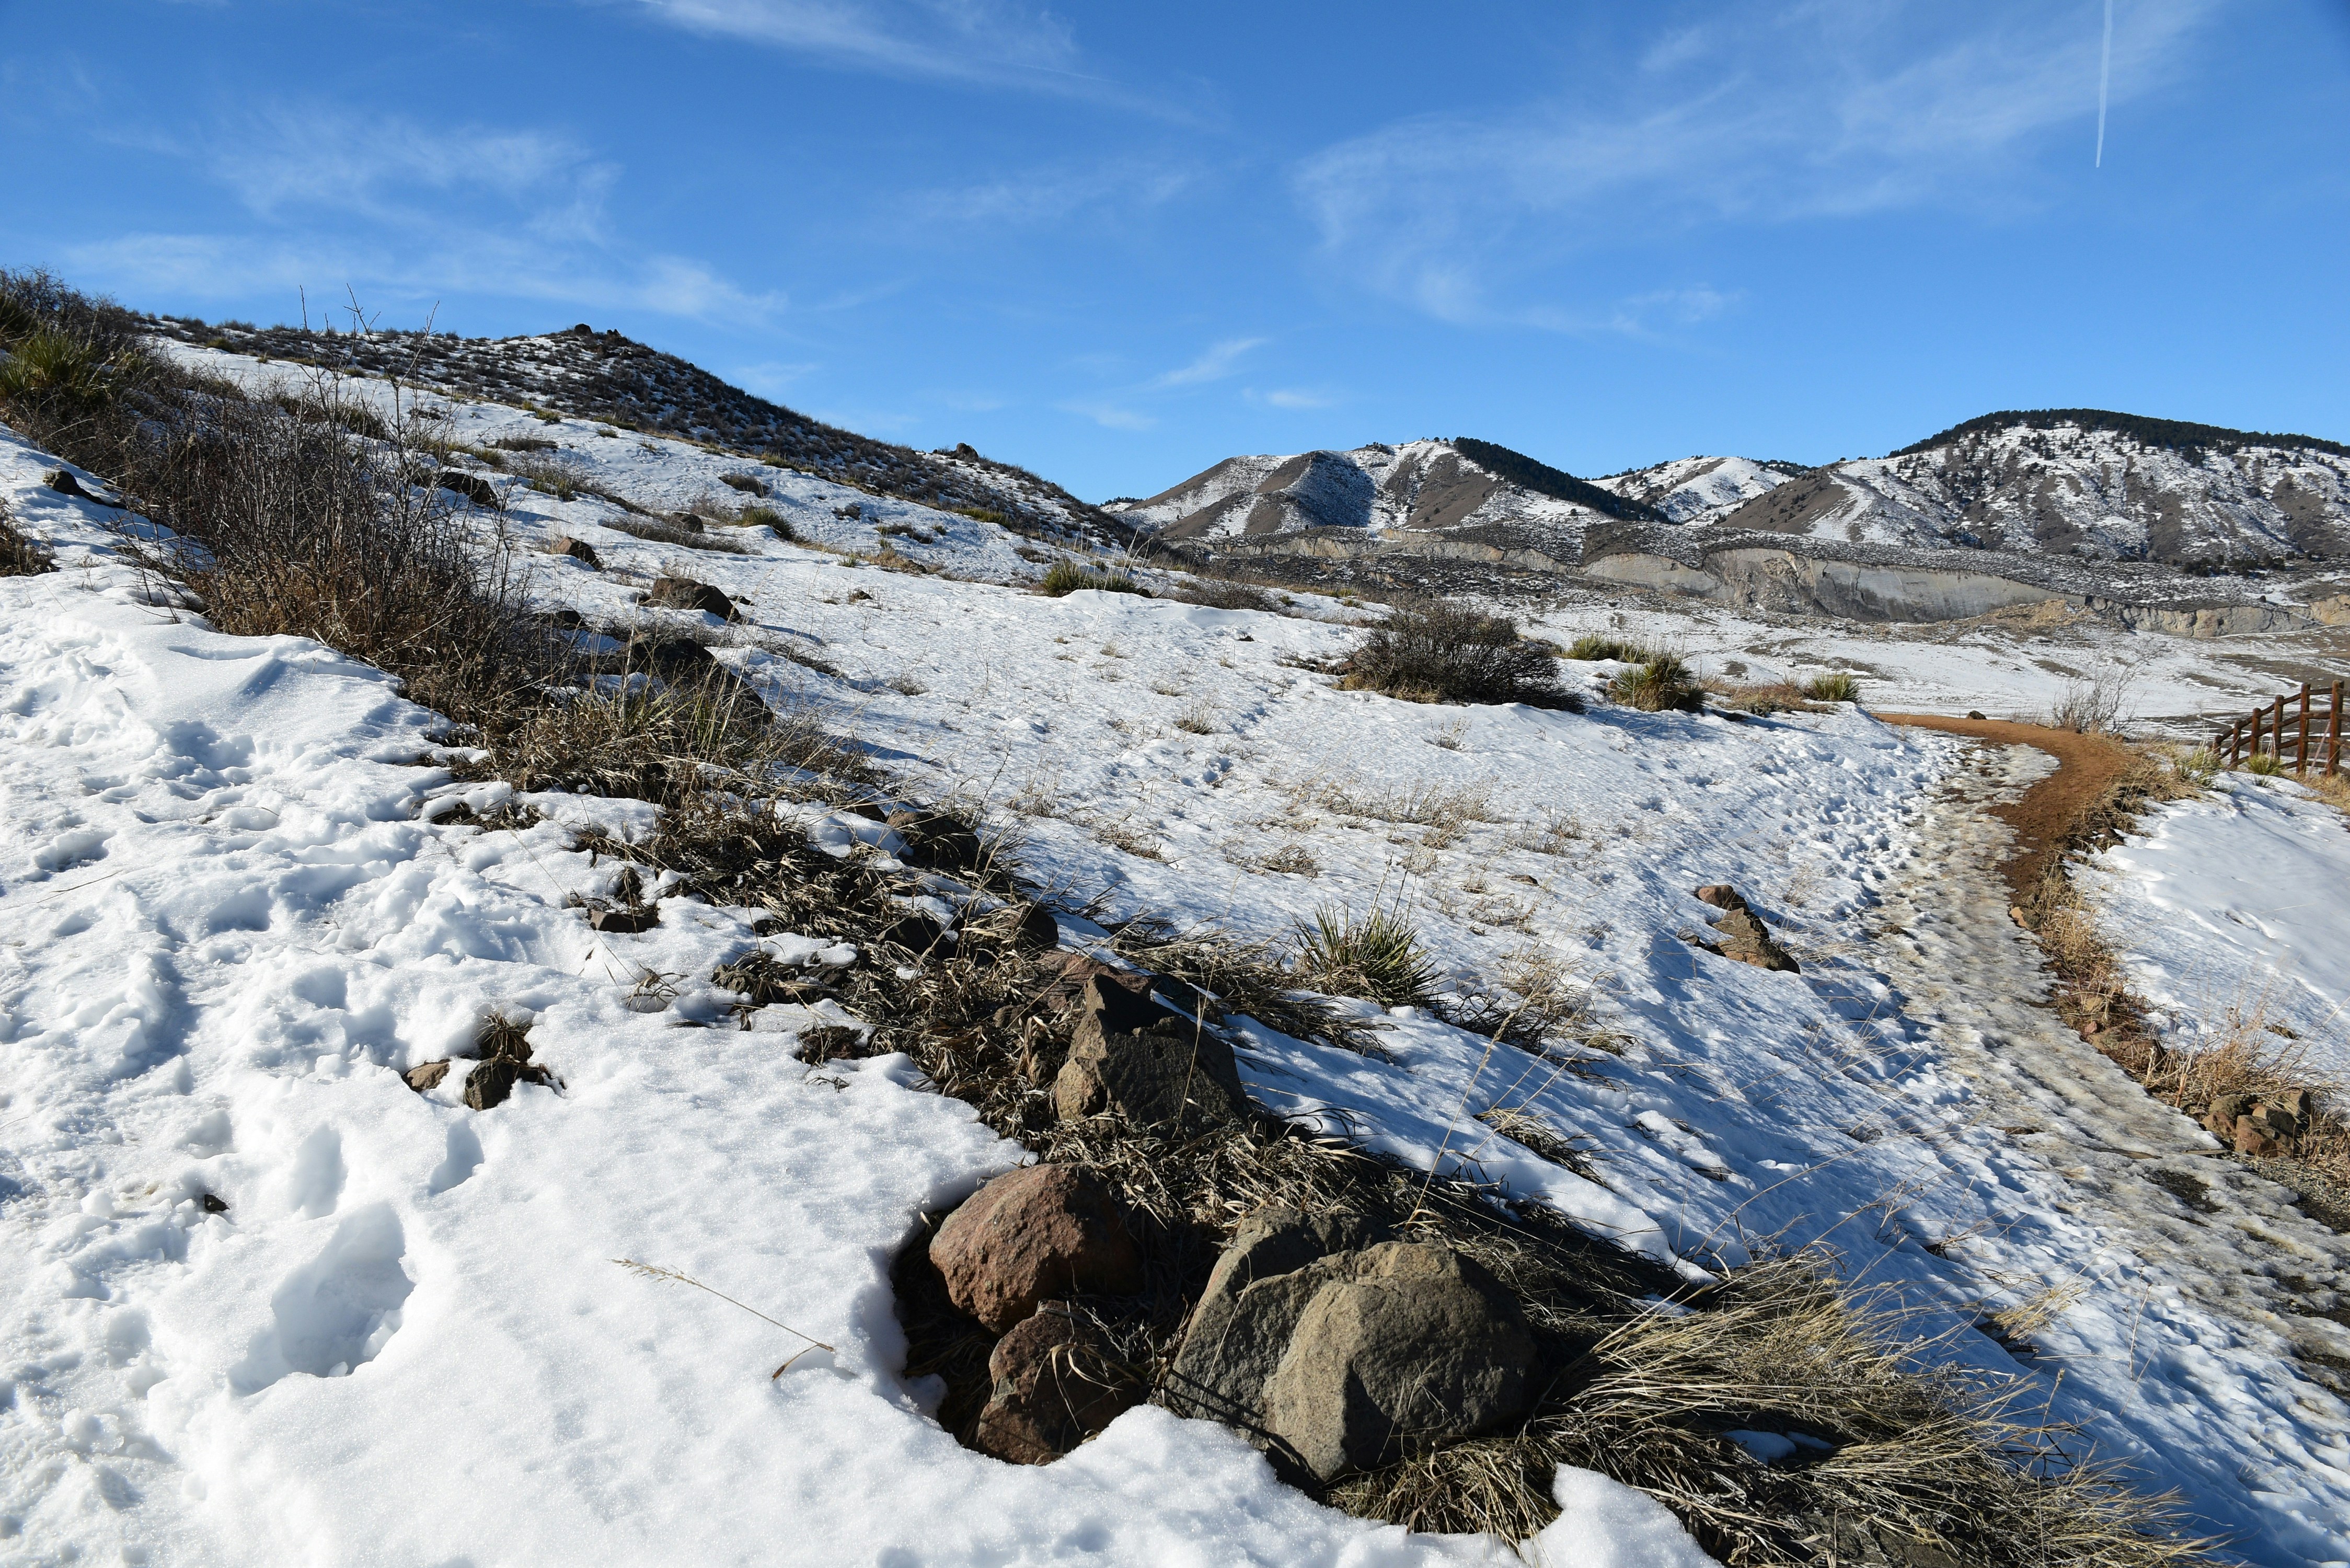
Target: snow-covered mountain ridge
column 2083, row 484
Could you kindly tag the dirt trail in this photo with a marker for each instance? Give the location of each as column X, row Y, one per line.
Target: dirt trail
column 2085, row 766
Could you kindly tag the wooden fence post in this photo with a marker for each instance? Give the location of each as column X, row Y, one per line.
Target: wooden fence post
column 2260, row 716
column 2334, row 734
column 2276, row 731
column 2301, row 741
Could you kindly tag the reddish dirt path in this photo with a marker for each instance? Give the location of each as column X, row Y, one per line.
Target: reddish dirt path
column 2085, row 766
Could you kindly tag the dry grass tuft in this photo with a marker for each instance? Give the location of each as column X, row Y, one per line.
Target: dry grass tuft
column 21, row 556
column 1664, row 682
column 1888, row 1458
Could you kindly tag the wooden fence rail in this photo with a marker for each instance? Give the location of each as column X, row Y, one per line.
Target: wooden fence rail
column 2265, row 733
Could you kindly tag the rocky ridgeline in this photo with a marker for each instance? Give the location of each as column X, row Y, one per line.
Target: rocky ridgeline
column 604, row 376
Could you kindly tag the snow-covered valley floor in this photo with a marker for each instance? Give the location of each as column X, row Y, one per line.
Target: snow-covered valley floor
column 262, row 1304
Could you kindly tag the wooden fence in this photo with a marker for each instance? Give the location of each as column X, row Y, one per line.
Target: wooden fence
column 2286, row 722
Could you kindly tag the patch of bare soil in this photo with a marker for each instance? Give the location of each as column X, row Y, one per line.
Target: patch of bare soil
column 2086, row 767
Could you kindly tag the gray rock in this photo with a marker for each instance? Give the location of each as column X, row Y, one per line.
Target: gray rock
column 1410, row 1344
column 685, row 594
column 1259, row 1287
column 1130, row 1055
column 473, row 487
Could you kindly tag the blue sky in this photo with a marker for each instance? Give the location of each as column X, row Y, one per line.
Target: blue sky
column 1115, row 243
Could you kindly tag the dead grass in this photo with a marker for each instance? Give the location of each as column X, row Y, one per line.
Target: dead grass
column 658, row 533
column 21, row 556
column 1894, row 1458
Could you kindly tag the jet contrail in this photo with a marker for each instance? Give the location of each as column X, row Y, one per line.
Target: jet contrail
column 2104, row 75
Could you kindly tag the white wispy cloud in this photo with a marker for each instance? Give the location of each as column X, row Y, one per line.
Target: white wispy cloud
column 1292, row 398
column 392, row 206
column 987, row 42
column 1053, row 193
column 1109, row 415
column 1219, row 360
column 1823, row 109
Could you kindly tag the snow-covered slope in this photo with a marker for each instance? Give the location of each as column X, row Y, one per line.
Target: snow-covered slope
column 1700, row 489
column 603, row 378
column 263, row 1304
column 2096, row 486
column 1421, row 490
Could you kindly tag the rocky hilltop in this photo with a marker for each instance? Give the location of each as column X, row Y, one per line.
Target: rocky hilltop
column 605, row 376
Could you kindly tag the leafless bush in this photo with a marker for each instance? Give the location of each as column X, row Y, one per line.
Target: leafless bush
column 2099, row 706
column 1447, row 653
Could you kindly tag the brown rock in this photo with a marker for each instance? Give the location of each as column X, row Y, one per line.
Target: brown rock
column 685, row 594
column 1749, row 940
column 579, row 550
column 1038, row 1233
column 2221, row 1117
column 2300, row 1104
column 1056, row 1385
column 1722, row 896
column 624, row 921
column 2253, row 1138
column 426, row 1076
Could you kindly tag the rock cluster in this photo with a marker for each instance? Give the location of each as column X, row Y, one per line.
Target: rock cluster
column 2254, row 1125
column 1742, row 932
column 1010, row 1257
column 1338, row 1352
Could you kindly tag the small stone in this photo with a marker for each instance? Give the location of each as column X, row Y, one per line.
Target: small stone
column 2253, row 1138
column 1054, row 1385
column 426, row 1076
column 1722, row 896
column 2276, row 1121
column 1977, row 714
column 2015, row 913
column 213, row 1203
column 1749, row 940
column 2220, row 1118
column 491, row 1082
column 1036, row 1234
column 685, row 594
column 937, row 840
column 62, row 480
column 579, row 550
column 624, row 921
column 473, row 487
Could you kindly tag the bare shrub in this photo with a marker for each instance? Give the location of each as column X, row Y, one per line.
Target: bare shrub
column 21, row 556
column 1447, row 653
column 2094, row 706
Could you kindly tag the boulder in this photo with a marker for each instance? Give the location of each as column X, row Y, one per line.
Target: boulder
column 1130, row 1055
column 579, row 550
column 685, row 594
column 1722, row 896
column 1418, row 1345
column 1258, row 1289
column 1054, row 1384
column 473, row 487
column 1746, row 938
column 1038, row 1233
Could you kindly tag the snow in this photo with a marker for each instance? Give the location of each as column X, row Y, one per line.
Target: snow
column 233, row 909
column 2233, row 902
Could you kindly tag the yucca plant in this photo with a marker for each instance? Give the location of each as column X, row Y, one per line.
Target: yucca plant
column 1663, row 681
column 1841, row 686
column 1376, row 956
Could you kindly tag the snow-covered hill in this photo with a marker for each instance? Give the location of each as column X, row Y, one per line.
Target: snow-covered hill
column 2082, row 483
column 1423, row 491
column 264, row 1303
column 603, row 378
column 1700, row 489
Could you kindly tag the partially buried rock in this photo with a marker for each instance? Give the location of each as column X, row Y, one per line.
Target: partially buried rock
column 2220, row 1118
column 473, row 488
column 1054, row 1384
column 1742, row 934
column 1339, row 1362
column 2254, row 1136
column 685, row 594
column 1132, row 1056
column 506, row 1062
column 1039, row 1233
column 427, row 1076
column 579, row 550
column 936, row 838
column 1722, row 896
